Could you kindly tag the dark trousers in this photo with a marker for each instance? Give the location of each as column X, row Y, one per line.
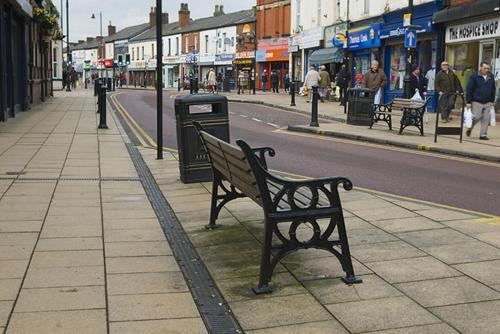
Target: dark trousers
column 264, row 83
column 275, row 88
column 343, row 95
column 446, row 103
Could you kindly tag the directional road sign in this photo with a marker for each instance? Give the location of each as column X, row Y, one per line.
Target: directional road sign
column 410, row 38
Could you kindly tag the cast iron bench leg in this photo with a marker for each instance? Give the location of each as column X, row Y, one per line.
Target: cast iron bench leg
column 266, row 269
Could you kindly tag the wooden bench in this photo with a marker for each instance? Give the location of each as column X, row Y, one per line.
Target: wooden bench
column 287, row 204
column 412, row 113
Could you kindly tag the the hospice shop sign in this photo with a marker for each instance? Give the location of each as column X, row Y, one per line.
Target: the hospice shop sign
column 473, row 31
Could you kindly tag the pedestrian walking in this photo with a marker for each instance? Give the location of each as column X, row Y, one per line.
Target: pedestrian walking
column 263, row 78
column 447, row 85
column 481, row 97
column 324, row 83
column 418, row 83
column 212, row 80
column 343, row 82
column 311, row 80
column 275, row 81
column 64, row 79
column 375, row 79
column 286, row 81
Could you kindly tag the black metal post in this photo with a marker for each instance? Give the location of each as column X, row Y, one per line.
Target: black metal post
column 85, row 77
column 114, row 76
column 159, row 82
column 292, row 92
column 409, row 59
column 68, row 48
column 314, row 112
column 178, row 84
column 254, row 73
column 102, row 109
column 191, row 85
column 98, row 90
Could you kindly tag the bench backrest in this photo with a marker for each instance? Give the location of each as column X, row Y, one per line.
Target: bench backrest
column 400, row 104
column 232, row 164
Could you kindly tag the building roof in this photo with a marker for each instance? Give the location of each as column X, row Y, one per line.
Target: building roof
column 127, row 33
column 206, row 23
column 85, row 45
column 151, row 32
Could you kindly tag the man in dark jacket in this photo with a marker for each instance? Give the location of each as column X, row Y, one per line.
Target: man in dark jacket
column 418, row 82
column 275, row 82
column 481, row 96
column 343, row 82
column 447, row 86
column 375, row 79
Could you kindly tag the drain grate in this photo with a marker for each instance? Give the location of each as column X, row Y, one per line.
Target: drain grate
column 214, row 310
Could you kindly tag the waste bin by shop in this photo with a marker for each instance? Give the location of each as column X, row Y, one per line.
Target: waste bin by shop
column 211, row 111
column 360, row 104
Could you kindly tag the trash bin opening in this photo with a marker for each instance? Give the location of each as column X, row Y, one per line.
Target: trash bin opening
column 203, row 109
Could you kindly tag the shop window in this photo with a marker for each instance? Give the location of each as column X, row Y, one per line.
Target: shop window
column 361, row 66
column 427, row 61
column 398, row 67
column 464, row 60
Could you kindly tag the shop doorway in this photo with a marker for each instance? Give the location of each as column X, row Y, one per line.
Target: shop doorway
column 487, row 52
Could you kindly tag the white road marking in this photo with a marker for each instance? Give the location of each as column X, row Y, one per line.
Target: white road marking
column 273, row 125
column 257, row 120
column 244, row 116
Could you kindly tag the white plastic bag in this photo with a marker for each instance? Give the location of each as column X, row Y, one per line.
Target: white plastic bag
column 417, row 96
column 467, row 118
column 493, row 120
column 378, row 97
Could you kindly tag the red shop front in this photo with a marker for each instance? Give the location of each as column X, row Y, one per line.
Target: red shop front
column 272, row 55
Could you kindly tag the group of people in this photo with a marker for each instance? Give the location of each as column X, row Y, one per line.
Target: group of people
column 479, row 97
column 275, row 79
column 69, row 77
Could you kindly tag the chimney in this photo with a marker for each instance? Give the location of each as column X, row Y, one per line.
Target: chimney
column 164, row 18
column 152, row 17
column 221, row 10
column 80, row 41
column 111, row 29
column 184, row 15
column 216, row 11
column 90, row 39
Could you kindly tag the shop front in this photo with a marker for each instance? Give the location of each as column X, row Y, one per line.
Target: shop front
column 244, row 63
column 470, row 43
column 170, row 71
column 272, row 55
column 225, row 71
column 395, row 54
column 308, row 42
column 364, row 45
column 331, row 56
column 205, row 62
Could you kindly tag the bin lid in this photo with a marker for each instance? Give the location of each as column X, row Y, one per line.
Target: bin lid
column 200, row 99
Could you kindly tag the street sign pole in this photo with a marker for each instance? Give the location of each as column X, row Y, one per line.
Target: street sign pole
column 159, row 82
column 409, row 57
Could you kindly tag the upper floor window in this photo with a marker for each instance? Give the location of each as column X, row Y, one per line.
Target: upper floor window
column 224, row 41
column 177, row 46
column 143, row 53
column 206, row 43
column 187, row 44
column 297, row 16
column 366, row 7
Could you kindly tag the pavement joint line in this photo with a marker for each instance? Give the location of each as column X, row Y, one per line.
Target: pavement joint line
column 214, row 310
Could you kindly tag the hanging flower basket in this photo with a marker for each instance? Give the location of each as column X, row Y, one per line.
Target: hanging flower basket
column 46, row 21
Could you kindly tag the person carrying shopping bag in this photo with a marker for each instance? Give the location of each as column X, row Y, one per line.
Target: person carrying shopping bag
column 480, row 98
column 447, row 85
column 311, row 80
column 375, row 79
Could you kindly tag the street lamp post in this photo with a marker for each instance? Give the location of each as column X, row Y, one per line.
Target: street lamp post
column 409, row 58
column 68, row 84
column 159, row 82
column 99, row 46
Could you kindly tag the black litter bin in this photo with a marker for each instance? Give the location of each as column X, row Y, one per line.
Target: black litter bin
column 108, row 83
column 359, row 107
column 211, row 111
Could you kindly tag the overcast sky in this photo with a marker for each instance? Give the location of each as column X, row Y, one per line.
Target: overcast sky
column 124, row 13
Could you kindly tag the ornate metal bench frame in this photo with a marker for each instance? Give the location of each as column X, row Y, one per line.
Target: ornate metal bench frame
column 282, row 200
column 412, row 115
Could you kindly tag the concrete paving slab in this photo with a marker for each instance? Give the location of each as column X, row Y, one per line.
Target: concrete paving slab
column 152, row 306
column 13, row 268
column 407, row 224
column 69, row 244
column 323, row 327
column 470, row 251
column 369, row 236
column 425, row 329
column 141, row 264
column 5, row 310
column 143, row 283
column 67, row 259
column 22, row 252
column 20, row 226
column 59, row 322
column 143, row 248
column 296, row 309
column 154, row 234
column 434, row 237
column 171, row 326
column 448, row 291
column 384, row 251
column 61, row 299
column 487, row 272
column 445, row 214
column 482, row 317
column 412, row 269
column 380, row 314
column 64, row 277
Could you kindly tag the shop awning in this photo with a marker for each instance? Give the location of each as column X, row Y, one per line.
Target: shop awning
column 478, row 8
column 326, row 56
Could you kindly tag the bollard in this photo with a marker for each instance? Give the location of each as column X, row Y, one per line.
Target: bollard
column 96, row 82
column 114, row 83
column 179, row 84
column 314, row 112
column 196, row 85
column 108, row 83
column 191, row 86
column 98, row 90
column 102, row 109
column 292, row 92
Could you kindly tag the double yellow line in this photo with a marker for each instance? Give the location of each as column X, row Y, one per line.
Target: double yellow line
column 145, row 139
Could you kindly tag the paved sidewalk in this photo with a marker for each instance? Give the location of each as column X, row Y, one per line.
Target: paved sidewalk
column 81, row 249
column 471, row 147
column 426, row 269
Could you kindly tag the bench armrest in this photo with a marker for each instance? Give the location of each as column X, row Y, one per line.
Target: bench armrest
column 260, row 153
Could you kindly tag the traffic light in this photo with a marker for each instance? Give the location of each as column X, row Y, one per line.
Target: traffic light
column 120, row 60
column 127, row 59
column 70, row 59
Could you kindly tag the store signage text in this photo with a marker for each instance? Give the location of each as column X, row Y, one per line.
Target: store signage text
column 473, row 31
column 365, row 38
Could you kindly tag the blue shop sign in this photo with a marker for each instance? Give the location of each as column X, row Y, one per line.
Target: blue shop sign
column 365, row 38
column 260, row 56
column 422, row 17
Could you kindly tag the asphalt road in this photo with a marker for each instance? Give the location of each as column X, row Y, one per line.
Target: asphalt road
column 459, row 183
